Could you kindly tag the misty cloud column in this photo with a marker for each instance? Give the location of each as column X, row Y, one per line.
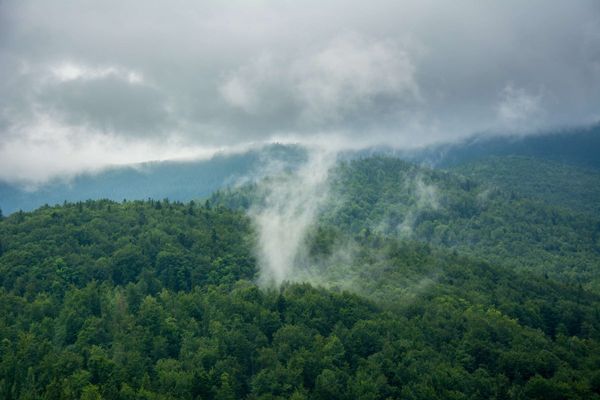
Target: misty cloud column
column 291, row 205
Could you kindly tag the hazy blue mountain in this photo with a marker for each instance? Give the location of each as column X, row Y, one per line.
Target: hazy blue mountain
column 574, row 146
column 183, row 180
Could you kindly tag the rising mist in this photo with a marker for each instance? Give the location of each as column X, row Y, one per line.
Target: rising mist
column 291, row 203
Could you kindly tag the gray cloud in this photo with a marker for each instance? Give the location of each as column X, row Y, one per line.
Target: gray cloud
column 338, row 84
column 108, row 98
column 120, row 82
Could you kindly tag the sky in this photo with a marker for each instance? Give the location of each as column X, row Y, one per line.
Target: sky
column 89, row 84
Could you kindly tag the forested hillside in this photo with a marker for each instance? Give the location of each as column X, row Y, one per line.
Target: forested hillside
column 421, row 285
column 549, row 182
column 400, row 200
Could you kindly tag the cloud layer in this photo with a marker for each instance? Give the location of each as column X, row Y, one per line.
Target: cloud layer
column 88, row 84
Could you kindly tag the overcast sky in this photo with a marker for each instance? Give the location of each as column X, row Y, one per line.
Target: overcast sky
column 86, row 84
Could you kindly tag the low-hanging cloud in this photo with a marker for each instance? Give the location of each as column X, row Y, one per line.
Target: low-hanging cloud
column 210, row 75
column 46, row 148
column 291, row 203
column 426, row 197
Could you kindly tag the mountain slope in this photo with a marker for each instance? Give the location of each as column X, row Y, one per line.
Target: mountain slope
column 390, row 197
column 143, row 300
column 550, row 182
column 576, row 146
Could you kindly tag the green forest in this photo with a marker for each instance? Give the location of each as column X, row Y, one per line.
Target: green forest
column 417, row 283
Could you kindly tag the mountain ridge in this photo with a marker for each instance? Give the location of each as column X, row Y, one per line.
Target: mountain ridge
column 175, row 180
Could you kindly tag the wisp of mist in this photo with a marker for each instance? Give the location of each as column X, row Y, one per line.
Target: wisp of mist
column 291, row 205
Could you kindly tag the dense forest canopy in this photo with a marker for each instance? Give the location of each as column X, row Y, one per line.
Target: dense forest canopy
column 397, row 199
column 551, row 182
column 414, row 284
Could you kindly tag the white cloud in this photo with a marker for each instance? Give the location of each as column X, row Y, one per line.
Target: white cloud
column 519, row 109
column 247, row 88
column 350, row 74
column 236, row 93
column 44, row 149
column 69, row 71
